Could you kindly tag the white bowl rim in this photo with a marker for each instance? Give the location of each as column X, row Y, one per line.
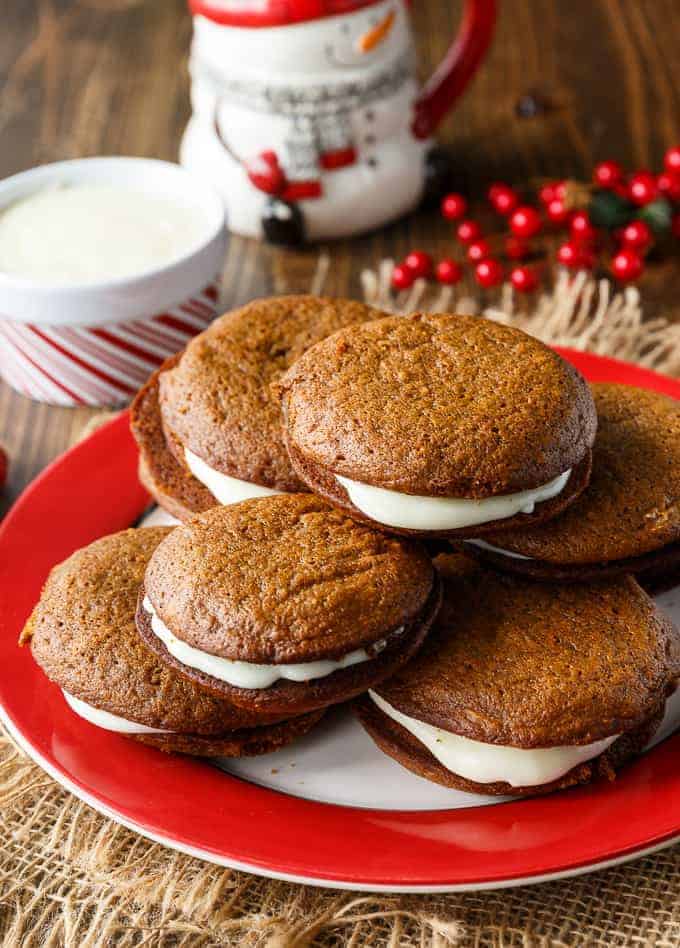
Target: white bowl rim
column 141, row 294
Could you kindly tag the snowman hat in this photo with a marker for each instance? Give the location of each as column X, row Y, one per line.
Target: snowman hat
column 265, row 13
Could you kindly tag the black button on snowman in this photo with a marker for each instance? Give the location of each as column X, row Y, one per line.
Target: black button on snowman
column 307, row 115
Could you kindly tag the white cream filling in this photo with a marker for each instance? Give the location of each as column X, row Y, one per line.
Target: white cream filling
column 108, row 721
column 483, row 545
column 225, row 489
column 495, row 763
column 411, row 512
column 247, row 674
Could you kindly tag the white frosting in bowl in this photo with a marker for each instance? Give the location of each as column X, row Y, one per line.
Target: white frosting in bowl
column 247, row 674
column 225, row 489
column 108, row 721
column 495, row 763
column 412, row 512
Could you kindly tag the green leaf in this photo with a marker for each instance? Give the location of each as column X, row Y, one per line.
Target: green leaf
column 609, row 210
column 657, row 215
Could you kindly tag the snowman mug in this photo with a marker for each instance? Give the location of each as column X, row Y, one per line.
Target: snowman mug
column 307, row 114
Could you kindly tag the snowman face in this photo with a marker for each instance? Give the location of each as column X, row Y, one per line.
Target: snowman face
column 372, row 36
column 328, row 49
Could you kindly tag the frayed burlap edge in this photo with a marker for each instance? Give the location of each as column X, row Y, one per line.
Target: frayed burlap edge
column 69, row 876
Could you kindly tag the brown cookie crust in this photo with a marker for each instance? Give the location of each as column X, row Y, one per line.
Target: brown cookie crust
column 217, row 401
column 439, row 405
column 285, row 579
column 398, row 743
column 650, row 567
column 538, row 665
column 82, row 634
column 632, row 505
column 285, row 698
column 247, row 742
column 325, row 485
column 170, row 483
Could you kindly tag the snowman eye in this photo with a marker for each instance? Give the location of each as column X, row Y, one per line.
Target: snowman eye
column 345, row 28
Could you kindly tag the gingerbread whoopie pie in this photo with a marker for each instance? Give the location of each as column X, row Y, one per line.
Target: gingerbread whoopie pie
column 439, row 425
column 82, row 634
column 208, row 425
column 283, row 605
column 628, row 519
column 524, row 688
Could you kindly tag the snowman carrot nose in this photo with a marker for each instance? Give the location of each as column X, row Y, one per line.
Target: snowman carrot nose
column 370, row 40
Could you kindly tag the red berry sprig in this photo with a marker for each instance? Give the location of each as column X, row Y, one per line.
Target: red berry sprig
column 621, row 214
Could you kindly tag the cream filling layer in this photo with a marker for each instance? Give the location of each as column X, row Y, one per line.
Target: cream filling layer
column 411, row 512
column 246, row 674
column 483, row 545
column 108, row 721
column 225, row 489
column 495, row 763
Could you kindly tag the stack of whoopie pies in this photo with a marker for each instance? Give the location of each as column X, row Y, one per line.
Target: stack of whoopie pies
column 318, row 454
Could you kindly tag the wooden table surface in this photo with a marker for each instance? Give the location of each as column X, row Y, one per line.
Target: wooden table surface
column 89, row 77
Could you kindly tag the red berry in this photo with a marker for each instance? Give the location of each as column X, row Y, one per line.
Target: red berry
column 642, row 187
column 489, row 273
column 468, row 231
column 581, row 227
column 637, row 235
column 516, row 248
column 524, row 279
column 548, row 192
column 525, row 222
column 570, row 255
column 627, row 265
column 503, row 198
column 419, row 263
column 675, row 225
column 607, row 174
column 671, row 160
column 402, row 277
column 668, row 184
column 557, row 211
column 478, row 250
column 449, row 272
column 454, row 207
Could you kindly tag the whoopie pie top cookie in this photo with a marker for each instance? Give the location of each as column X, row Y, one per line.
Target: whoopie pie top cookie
column 284, row 604
column 439, row 425
column 628, row 519
column 220, row 420
column 523, row 687
column 82, row 634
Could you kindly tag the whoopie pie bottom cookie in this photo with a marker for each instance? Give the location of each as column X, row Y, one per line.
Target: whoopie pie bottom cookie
column 82, row 634
column 524, row 688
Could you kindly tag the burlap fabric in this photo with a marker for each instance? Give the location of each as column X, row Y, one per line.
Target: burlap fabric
column 69, row 876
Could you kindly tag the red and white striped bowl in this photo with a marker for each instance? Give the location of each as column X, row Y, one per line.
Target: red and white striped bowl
column 96, row 344
column 98, row 365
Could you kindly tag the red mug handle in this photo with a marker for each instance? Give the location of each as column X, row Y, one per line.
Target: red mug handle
column 457, row 68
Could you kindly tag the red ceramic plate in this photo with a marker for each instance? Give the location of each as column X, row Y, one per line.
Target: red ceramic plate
column 193, row 807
